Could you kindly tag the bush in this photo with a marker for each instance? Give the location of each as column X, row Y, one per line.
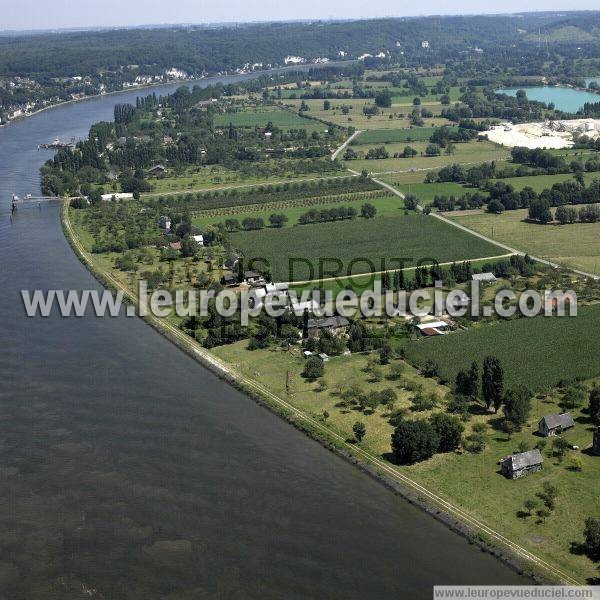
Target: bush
column 314, row 368
column 449, row 430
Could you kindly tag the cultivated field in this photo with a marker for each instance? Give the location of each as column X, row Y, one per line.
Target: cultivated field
column 390, row 136
column 411, row 236
column 537, row 351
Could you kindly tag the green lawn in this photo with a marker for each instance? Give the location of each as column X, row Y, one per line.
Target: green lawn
column 376, row 241
column 574, row 245
column 536, row 351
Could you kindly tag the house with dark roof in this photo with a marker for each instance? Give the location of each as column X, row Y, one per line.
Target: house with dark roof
column 229, row 280
column 158, row 171
column 336, row 325
column 553, row 424
column 521, row 464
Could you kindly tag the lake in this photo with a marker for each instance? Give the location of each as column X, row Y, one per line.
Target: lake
column 565, row 99
column 129, row 471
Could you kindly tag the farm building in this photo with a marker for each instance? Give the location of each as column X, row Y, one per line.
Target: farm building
column 432, row 328
column 158, row 171
column 165, row 223
column 484, row 277
column 254, row 278
column 324, row 357
column 229, row 280
column 521, row 464
column 335, row 325
column 554, row 423
column 198, row 239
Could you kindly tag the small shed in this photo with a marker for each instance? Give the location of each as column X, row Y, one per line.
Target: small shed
column 484, row 277
column 324, row 357
column 158, row 171
column 199, row 239
column 554, row 423
column 521, row 464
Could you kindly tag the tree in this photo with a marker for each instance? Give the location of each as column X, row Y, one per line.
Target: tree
column 368, row 211
column 492, row 382
column 360, row 430
column 326, row 104
column 189, row 247
column 396, row 371
column 495, row 206
column 385, row 354
column 591, row 535
column 278, row 220
column 517, row 405
column 449, row 429
column 467, row 382
column 530, row 505
column 566, row 214
column 383, row 98
column 560, row 447
column 548, row 495
column 594, row 406
column 413, row 441
column 539, row 210
column 543, row 513
column 477, row 440
column 574, row 395
column 313, row 368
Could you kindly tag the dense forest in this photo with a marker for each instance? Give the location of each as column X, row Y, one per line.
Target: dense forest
column 57, row 65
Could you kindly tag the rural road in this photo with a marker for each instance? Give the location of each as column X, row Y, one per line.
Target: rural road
column 355, row 134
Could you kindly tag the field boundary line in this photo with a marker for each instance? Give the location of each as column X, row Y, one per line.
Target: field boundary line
column 220, row 366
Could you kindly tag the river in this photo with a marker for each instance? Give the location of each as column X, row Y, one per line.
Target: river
column 127, row 470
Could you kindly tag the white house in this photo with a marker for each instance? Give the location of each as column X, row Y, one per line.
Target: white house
column 199, row 239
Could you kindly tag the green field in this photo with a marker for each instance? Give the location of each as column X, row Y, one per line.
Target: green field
column 541, row 182
column 536, row 351
column 574, row 245
column 426, row 192
column 389, row 136
column 386, row 205
column 388, row 118
column 467, row 153
column 259, row 118
column 411, row 237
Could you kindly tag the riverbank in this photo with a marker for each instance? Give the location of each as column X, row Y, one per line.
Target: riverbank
column 188, row 81
column 428, row 500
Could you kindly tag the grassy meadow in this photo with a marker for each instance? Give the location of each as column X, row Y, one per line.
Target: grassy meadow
column 575, row 245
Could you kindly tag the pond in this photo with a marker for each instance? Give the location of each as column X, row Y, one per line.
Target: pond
column 563, row 98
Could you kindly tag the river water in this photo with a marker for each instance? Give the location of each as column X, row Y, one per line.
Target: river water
column 127, row 470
